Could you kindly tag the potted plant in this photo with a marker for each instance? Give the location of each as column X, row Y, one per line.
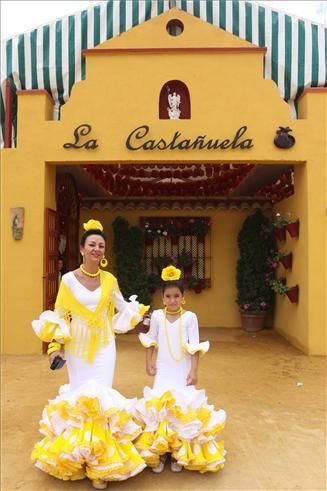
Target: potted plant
column 279, row 226
column 195, row 284
column 279, row 286
column 281, row 257
column 185, row 261
column 293, row 294
column 286, row 259
column 154, row 282
column 128, row 248
column 253, row 314
column 174, row 232
column 293, row 228
column 152, row 231
column 161, row 262
column 199, row 227
column 254, row 271
column 149, row 234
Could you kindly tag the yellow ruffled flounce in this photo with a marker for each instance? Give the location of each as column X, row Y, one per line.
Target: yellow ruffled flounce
column 205, row 457
column 85, row 441
column 203, row 450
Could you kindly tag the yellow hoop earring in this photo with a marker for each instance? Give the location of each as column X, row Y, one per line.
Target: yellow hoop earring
column 82, row 254
column 103, row 262
column 183, row 301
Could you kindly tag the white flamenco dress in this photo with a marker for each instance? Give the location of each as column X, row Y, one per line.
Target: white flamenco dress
column 88, row 428
column 177, row 417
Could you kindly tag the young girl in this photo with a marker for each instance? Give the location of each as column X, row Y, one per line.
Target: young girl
column 175, row 415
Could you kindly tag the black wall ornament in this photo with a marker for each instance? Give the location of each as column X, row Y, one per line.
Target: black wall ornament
column 283, row 139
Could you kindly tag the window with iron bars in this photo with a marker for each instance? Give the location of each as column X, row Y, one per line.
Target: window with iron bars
column 178, row 241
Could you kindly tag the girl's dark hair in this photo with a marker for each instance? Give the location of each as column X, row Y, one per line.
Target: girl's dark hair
column 173, row 284
column 87, row 233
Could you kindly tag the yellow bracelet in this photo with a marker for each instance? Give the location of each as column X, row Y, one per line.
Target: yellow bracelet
column 54, row 346
column 54, row 343
column 52, row 350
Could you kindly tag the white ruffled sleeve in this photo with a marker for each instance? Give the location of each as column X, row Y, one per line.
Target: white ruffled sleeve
column 129, row 313
column 50, row 327
column 193, row 345
column 151, row 337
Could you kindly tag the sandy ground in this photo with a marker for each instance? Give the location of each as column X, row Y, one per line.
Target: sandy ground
column 275, row 434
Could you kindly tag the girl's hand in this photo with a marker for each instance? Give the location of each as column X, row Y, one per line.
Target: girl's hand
column 151, row 369
column 192, row 378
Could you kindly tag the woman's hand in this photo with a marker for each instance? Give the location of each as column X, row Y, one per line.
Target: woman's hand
column 53, row 355
column 192, row 378
column 151, row 369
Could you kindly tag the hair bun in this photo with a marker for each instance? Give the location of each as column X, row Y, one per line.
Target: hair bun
column 93, row 225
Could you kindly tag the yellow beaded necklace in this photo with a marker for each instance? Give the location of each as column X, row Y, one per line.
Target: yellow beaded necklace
column 91, row 275
column 181, row 355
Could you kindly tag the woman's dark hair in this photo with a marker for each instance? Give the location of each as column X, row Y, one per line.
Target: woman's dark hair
column 87, row 233
column 173, row 284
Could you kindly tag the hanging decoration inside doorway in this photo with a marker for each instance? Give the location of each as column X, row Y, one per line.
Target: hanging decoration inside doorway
column 169, row 179
column 282, row 188
column 205, row 181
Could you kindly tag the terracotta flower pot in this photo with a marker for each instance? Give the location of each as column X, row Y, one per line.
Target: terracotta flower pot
column 293, row 228
column 280, row 233
column 293, row 294
column 287, row 261
column 197, row 289
column 252, row 321
column 187, row 271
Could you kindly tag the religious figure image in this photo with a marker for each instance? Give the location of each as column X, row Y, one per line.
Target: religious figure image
column 174, row 101
column 17, row 222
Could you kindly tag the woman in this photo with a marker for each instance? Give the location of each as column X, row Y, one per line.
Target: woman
column 88, row 428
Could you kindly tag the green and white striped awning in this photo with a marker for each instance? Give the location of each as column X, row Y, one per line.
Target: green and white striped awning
column 50, row 57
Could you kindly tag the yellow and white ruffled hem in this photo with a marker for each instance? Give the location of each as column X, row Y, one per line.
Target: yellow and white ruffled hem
column 182, row 423
column 89, row 433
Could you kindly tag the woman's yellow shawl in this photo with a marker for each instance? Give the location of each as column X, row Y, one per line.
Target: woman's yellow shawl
column 90, row 330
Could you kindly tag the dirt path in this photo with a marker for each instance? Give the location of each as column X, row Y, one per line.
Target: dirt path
column 275, row 434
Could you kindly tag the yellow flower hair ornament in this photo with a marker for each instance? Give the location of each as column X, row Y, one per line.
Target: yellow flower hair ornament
column 92, row 225
column 170, row 273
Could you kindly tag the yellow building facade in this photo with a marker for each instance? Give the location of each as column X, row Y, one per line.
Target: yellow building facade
column 119, row 100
